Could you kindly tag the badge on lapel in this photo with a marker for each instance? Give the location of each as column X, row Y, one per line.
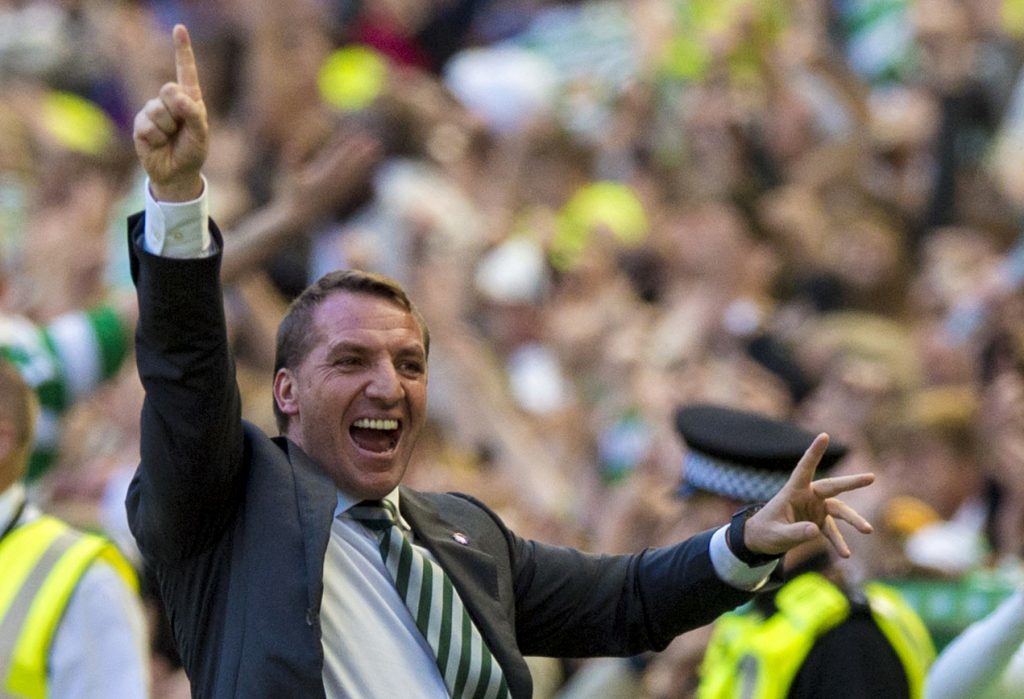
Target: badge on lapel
column 460, row 538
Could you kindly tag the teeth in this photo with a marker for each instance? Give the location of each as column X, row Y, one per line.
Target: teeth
column 367, row 423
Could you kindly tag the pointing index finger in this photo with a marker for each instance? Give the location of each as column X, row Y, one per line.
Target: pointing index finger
column 803, row 474
column 185, row 63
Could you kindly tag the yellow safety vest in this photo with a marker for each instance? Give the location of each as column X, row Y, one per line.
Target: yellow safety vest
column 42, row 562
column 753, row 657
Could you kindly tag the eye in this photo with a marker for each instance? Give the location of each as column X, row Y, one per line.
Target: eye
column 348, row 361
column 411, row 367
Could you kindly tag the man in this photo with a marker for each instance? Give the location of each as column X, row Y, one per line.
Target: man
column 71, row 623
column 813, row 636
column 297, row 566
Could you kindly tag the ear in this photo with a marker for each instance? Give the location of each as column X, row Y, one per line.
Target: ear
column 12, row 459
column 285, row 393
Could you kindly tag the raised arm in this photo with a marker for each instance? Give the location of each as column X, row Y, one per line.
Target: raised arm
column 338, row 171
column 975, row 663
column 191, row 445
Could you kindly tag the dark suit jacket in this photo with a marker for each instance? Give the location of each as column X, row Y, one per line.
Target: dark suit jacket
column 236, row 525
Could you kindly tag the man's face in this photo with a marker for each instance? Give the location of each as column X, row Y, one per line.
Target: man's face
column 357, row 402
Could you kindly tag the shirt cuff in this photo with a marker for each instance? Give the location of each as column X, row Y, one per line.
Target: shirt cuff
column 732, row 570
column 178, row 229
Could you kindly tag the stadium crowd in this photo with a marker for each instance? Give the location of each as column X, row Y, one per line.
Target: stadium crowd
column 605, row 210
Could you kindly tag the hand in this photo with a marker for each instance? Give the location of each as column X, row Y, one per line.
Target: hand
column 310, row 190
column 333, row 176
column 171, row 131
column 805, row 509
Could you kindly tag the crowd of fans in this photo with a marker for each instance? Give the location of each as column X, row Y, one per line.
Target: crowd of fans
column 605, row 210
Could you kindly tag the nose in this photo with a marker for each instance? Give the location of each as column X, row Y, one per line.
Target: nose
column 385, row 385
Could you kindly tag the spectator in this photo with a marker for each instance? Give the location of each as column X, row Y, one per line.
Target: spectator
column 72, row 621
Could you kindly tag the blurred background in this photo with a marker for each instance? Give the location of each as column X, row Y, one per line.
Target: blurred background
column 605, row 210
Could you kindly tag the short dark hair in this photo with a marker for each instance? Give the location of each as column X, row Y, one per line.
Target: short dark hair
column 294, row 335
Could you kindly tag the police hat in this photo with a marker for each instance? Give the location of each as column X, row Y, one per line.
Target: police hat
column 742, row 455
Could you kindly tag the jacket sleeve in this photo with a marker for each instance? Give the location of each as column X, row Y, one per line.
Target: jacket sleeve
column 188, row 482
column 574, row 604
column 569, row 603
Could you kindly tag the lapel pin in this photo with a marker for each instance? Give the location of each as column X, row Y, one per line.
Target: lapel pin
column 460, row 538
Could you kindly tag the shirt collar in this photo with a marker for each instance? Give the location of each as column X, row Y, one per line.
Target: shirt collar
column 347, row 502
column 10, row 500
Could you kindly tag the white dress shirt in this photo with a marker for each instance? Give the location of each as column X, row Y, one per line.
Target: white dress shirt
column 101, row 647
column 372, row 647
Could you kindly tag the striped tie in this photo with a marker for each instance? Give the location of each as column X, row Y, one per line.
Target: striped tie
column 465, row 662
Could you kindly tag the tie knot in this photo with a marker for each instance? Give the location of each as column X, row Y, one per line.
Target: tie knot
column 378, row 515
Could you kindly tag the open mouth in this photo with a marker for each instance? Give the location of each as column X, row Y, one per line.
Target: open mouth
column 376, row 435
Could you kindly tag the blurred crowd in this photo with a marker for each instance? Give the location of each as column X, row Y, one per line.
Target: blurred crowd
column 606, row 210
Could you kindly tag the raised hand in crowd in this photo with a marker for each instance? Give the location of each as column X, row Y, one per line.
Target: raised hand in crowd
column 311, row 188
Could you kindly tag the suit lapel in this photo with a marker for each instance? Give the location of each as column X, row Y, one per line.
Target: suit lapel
column 316, row 497
column 471, row 570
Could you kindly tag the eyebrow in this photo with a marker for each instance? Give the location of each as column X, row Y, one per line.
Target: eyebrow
column 346, row 346
column 415, row 348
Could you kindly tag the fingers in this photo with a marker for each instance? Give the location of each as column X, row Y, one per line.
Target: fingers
column 161, row 117
column 183, row 108
column 831, row 531
column 830, row 487
column 840, row 510
column 803, row 474
column 146, row 130
column 170, row 132
column 788, row 536
column 343, row 153
column 178, row 103
column 185, row 63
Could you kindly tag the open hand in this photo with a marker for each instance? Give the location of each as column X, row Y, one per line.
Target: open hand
column 805, row 509
column 171, row 132
column 335, row 174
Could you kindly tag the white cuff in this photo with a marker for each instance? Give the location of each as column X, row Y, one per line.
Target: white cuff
column 732, row 570
column 178, row 229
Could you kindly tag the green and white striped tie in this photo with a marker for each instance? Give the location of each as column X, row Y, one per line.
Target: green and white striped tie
column 466, row 664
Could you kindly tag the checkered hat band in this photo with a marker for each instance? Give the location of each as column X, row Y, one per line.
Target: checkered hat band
column 730, row 479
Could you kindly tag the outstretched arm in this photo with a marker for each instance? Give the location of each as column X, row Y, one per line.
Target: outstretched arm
column 974, row 663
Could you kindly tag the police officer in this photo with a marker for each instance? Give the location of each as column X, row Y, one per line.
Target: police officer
column 810, row 636
column 71, row 623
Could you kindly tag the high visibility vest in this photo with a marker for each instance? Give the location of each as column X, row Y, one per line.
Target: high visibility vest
column 42, row 562
column 754, row 657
